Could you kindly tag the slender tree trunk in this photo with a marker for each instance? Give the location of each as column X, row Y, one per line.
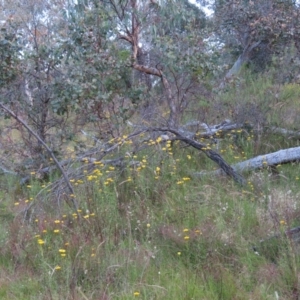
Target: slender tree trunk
column 133, row 39
column 240, row 62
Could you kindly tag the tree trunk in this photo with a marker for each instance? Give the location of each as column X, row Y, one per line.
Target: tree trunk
column 240, row 62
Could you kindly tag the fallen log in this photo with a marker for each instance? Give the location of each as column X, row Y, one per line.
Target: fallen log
column 203, row 130
column 280, row 157
column 272, row 159
column 286, row 132
column 259, row 162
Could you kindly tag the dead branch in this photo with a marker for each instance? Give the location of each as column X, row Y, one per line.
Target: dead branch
column 5, row 171
column 259, row 162
column 286, row 132
column 179, row 134
column 186, row 136
column 18, row 119
column 213, row 155
column 147, row 70
column 206, row 131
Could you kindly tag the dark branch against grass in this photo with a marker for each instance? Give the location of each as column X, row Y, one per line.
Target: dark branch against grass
column 213, row 155
column 11, row 113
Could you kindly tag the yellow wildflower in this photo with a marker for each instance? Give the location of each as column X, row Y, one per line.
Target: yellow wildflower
column 186, row 178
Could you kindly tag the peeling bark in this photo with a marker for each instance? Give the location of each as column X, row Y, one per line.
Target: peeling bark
column 132, row 37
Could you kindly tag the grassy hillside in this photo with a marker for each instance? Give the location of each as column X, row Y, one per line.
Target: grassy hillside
column 153, row 230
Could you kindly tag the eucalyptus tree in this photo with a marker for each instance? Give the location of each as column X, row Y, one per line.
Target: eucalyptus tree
column 38, row 28
column 97, row 60
column 255, row 30
column 100, row 61
column 130, row 54
column 171, row 34
column 8, row 56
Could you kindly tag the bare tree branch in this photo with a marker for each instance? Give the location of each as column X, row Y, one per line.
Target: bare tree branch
column 11, row 113
column 213, row 155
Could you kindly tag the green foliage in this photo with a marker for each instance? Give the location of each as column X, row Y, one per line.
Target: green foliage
column 271, row 24
column 8, row 56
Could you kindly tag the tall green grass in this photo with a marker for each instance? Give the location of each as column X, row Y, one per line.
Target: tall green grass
column 152, row 230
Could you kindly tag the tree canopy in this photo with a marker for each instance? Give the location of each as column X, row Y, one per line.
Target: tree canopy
column 65, row 66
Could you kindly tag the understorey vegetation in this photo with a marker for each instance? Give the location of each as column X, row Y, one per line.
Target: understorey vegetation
column 149, row 151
